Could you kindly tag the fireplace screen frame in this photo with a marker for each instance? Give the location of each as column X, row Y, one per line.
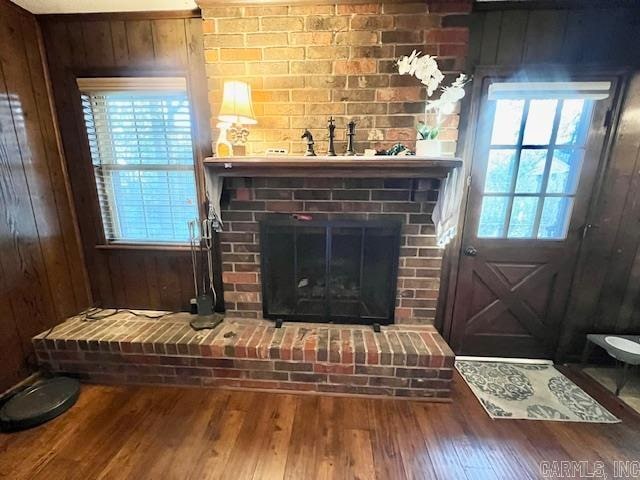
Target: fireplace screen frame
column 275, row 220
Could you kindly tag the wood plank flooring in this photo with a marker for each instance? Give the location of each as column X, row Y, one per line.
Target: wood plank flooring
column 184, row 433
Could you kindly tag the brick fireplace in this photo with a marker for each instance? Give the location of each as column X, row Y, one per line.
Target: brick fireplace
column 406, row 200
column 305, row 63
column 401, row 360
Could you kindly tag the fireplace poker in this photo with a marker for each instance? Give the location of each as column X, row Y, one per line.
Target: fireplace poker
column 207, row 235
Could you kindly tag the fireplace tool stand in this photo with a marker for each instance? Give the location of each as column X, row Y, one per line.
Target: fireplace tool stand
column 206, row 299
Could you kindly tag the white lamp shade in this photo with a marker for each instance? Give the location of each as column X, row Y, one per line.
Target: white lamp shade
column 236, row 104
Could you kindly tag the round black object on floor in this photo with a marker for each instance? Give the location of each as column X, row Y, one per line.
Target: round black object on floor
column 39, row 403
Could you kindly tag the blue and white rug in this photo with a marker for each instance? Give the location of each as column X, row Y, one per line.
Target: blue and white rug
column 531, row 391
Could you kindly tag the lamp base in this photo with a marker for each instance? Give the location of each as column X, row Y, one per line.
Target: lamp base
column 238, row 133
column 239, row 150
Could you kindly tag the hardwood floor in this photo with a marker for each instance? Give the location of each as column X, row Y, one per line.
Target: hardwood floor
column 179, row 433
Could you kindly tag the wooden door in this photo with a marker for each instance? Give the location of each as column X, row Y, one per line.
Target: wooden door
column 534, row 163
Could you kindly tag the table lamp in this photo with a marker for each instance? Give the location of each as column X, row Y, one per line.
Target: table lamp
column 237, row 111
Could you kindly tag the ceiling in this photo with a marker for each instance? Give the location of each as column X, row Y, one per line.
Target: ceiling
column 92, row 6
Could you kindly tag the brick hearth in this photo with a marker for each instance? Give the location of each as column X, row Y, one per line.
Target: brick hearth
column 401, row 361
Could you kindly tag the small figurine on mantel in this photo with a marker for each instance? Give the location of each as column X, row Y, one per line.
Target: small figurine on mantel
column 310, row 142
column 332, row 135
column 351, row 133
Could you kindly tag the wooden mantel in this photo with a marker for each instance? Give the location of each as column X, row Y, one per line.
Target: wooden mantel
column 340, row 166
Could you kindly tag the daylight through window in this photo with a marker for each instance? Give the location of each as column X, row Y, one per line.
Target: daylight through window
column 534, row 162
column 142, row 155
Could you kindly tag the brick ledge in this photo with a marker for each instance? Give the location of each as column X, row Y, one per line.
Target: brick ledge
column 401, row 361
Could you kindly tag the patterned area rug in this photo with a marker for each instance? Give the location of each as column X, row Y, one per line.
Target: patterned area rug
column 530, row 391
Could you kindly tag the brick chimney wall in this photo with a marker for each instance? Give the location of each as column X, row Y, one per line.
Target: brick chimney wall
column 307, row 62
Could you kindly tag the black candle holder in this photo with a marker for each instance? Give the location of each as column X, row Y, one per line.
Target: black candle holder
column 351, row 133
column 332, row 135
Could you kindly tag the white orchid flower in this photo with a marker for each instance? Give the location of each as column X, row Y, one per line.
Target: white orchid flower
column 425, row 68
column 406, row 64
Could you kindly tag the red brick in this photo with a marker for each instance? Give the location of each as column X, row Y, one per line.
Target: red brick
column 446, row 373
column 242, row 296
column 310, row 349
column 239, row 287
column 263, row 348
column 254, row 342
column 286, row 352
column 447, row 35
column 208, row 26
column 298, row 386
column 399, row 36
column 375, row 370
column 346, row 346
column 228, row 373
column 416, row 372
column 400, row 94
column 284, row 206
column 231, row 277
column 430, row 383
column 450, row 6
column 356, row 66
column 349, row 379
column 403, row 313
column 370, row 8
column 260, row 384
column 388, row 382
column 333, row 368
column 307, row 377
column 266, row 375
column 453, row 50
column 294, row 366
column 373, row 356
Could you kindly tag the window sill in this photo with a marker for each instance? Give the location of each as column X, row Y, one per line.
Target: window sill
column 144, row 246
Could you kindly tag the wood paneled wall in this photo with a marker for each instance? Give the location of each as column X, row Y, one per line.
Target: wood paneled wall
column 124, row 44
column 599, row 36
column 606, row 292
column 42, row 273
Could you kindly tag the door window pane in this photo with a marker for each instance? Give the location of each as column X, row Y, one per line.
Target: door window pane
column 500, row 168
column 506, row 122
column 565, row 171
column 568, row 130
column 556, row 213
column 533, row 167
column 531, row 171
column 492, row 217
column 523, row 217
column 539, row 122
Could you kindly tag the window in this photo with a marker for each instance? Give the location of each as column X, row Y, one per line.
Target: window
column 139, row 134
column 534, row 160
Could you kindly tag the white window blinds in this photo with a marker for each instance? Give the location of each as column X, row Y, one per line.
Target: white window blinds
column 143, row 160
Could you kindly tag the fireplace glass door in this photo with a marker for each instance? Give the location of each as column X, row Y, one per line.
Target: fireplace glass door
column 329, row 271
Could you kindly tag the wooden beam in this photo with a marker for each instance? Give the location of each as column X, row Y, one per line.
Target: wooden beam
column 227, row 3
column 146, row 15
column 333, row 167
